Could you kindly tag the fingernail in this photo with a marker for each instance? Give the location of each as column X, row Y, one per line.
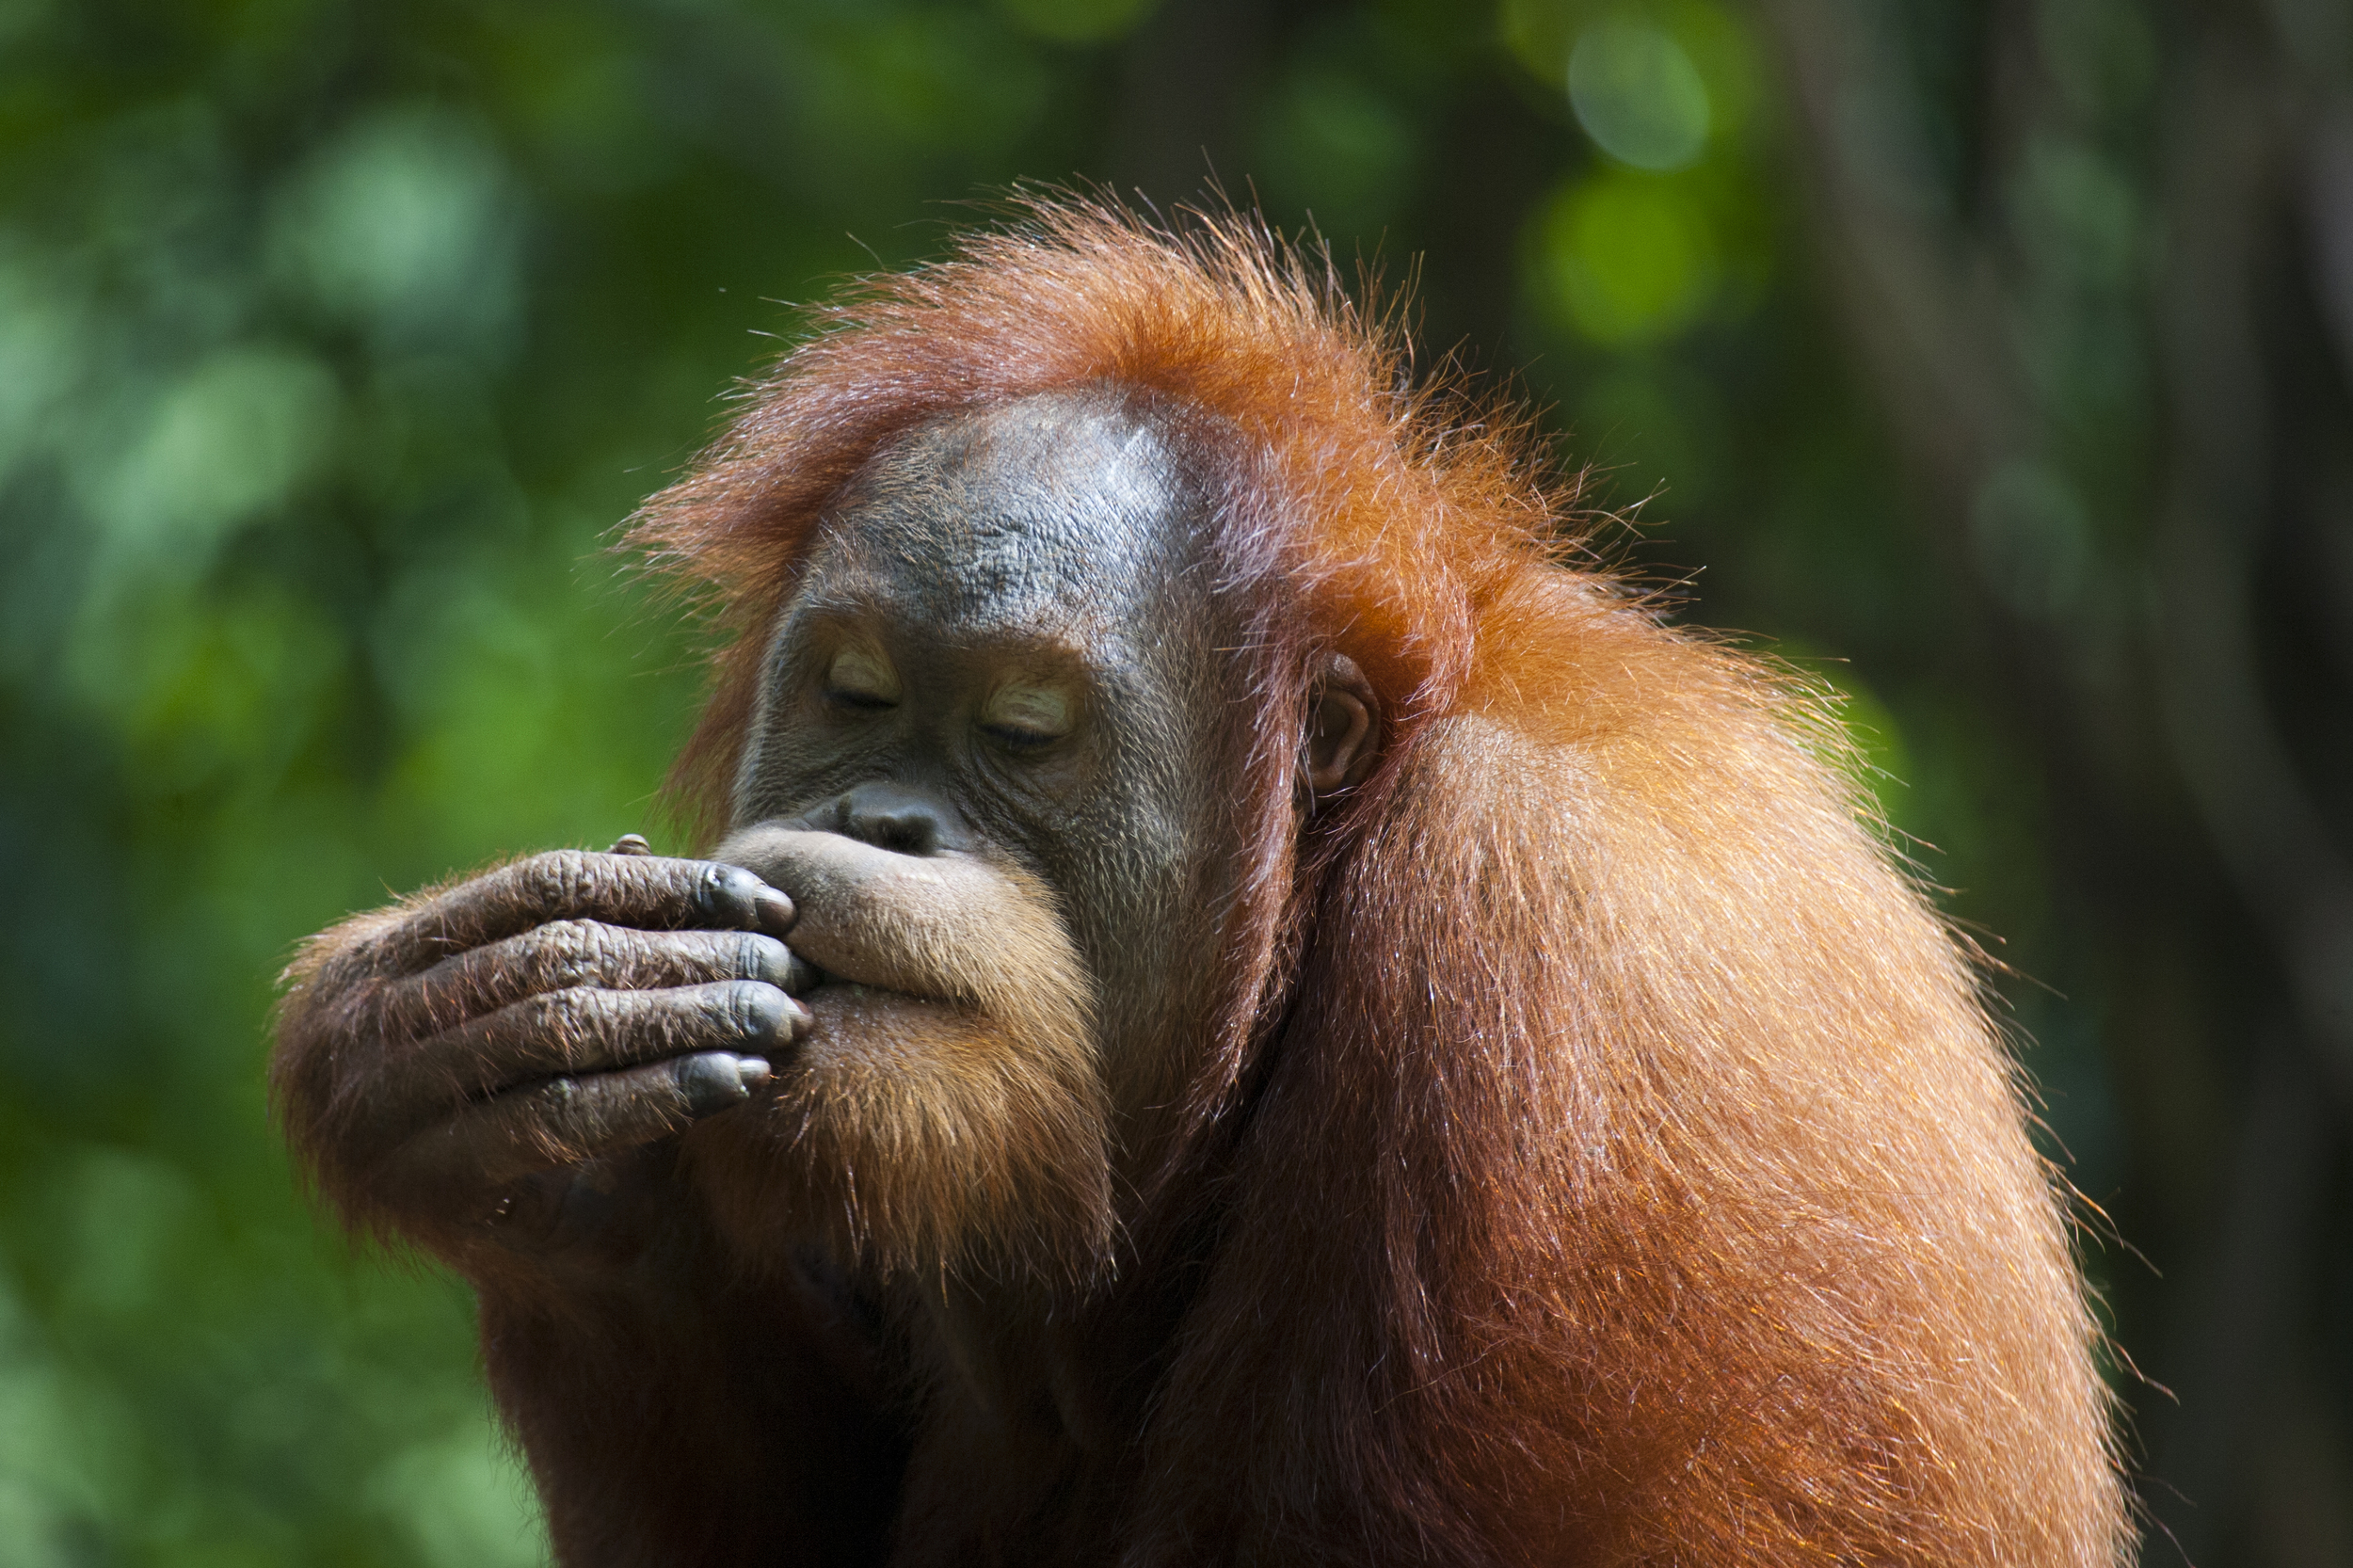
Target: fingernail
column 630, row 843
column 711, row 1082
column 754, row 1071
column 773, row 909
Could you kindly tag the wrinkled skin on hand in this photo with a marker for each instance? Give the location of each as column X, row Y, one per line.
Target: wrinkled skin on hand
column 500, row 1069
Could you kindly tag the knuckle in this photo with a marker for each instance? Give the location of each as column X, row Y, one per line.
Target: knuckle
column 555, row 880
column 554, row 955
column 711, row 889
column 581, row 953
column 737, row 1003
column 574, row 1015
column 709, row 1012
column 537, row 882
column 575, row 878
column 753, row 958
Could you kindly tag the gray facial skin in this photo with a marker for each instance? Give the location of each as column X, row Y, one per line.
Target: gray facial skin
column 1003, row 645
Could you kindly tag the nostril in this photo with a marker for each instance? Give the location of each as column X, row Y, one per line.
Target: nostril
column 907, row 833
column 889, row 819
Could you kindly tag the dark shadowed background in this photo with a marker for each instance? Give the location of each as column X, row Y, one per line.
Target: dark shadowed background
column 1991, row 360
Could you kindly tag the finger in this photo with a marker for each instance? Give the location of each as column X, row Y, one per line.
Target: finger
column 650, row 892
column 590, row 1030
column 565, row 1121
column 574, row 954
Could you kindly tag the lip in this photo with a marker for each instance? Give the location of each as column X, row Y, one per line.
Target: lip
column 838, row 988
column 841, row 990
column 873, row 917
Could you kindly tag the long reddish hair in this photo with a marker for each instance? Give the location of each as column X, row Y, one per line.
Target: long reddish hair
column 1628, row 1146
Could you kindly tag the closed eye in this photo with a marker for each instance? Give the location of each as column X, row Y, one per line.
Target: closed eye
column 1017, row 738
column 1025, row 717
column 861, row 678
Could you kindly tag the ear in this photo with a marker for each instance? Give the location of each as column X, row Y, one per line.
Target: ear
column 1343, row 728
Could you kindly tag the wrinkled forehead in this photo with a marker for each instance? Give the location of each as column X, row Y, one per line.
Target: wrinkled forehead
column 1059, row 510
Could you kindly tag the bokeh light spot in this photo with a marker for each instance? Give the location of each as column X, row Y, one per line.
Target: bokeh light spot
column 1630, row 259
column 229, row 439
column 1638, row 95
column 406, row 223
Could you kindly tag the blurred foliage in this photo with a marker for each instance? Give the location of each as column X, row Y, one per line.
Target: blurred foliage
column 337, row 337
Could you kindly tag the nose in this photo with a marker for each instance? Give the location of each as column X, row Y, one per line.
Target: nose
column 894, row 817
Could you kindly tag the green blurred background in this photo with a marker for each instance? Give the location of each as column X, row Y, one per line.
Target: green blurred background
column 1989, row 358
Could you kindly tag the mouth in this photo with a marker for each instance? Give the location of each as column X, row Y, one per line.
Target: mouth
column 871, row 920
column 848, row 975
column 830, row 987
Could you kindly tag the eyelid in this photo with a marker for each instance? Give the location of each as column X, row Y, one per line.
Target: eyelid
column 861, row 673
column 1041, row 711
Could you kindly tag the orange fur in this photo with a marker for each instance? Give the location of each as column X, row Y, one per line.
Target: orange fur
column 1629, row 1172
column 963, row 1135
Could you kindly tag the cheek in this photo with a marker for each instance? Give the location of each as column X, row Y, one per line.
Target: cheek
column 1151, row 815
column 775, row 777
column 1145, row 878
column 1125, row 867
